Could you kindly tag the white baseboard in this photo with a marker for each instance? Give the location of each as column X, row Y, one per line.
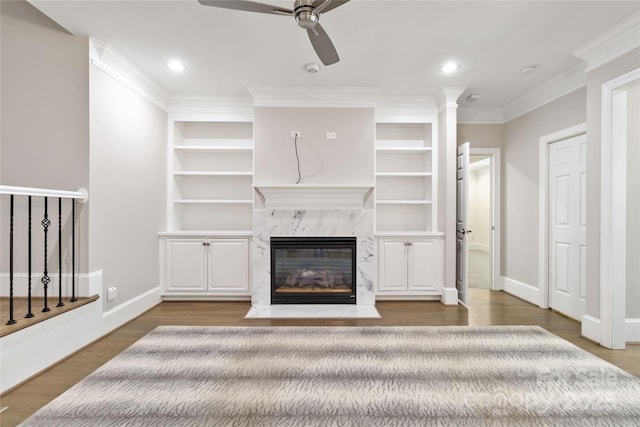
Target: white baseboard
column 449, row 296
column 521, row 290
column 591, row 328
column 475, row 246
column 632, row 330
column 62, row 335
column 126, row 311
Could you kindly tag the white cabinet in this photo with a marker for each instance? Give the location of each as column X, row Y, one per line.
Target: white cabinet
column 410, row 266
column 405, row 177
column 201, row 266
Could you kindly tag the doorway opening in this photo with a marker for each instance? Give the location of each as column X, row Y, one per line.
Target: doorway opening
column 479, row 261
column 619, row 321
column 479, row 250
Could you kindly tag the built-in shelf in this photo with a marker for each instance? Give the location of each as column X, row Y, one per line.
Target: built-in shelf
column 204, row 173
column 213, row 201
column 210, row 177
column 403, row 150
column 403, row 202
column 400, row 174
column 408, row 233
column 405, row 178
column 207, row 233
column 216, row 150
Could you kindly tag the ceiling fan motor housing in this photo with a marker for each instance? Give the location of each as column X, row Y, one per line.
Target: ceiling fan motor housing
column 306, row 17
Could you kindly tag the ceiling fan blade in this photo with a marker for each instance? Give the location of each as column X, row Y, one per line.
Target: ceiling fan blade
column 323, row 6
column 323, row 45
column 248, row 6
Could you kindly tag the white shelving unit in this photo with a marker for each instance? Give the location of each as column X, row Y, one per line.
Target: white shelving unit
column 211, row 176
column 206, row 249
column 405, row 178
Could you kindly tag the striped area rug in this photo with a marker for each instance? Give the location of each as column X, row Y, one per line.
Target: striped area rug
column 350, row 376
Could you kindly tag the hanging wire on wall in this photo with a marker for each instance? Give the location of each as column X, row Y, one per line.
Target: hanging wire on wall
column 295, row 143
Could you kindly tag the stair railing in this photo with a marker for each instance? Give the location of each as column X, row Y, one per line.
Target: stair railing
column 74, row 197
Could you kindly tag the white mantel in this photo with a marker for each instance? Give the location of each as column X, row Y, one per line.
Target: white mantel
column 313, row 197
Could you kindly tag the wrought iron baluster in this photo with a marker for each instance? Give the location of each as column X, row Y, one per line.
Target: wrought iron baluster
column 11, row 319
column 29, row 312
column 73, row 251
column 60, row 303
column 45, row 276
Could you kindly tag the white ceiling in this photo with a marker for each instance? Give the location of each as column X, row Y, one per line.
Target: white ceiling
column 394, row 45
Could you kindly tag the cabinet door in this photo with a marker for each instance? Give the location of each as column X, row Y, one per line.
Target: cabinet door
column 424, row 265
column 229, row 265
column 186, row 265
column 393, row 265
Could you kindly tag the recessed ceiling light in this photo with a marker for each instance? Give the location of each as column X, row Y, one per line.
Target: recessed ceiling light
column 176, row 66
column 529, row 69
column 311, row 68
column 450, row 67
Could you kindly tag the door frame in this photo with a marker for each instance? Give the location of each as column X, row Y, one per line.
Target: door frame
column 613, row 227
column 496, row 209
column 543, row 206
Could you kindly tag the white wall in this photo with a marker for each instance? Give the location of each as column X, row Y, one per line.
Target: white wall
column 633, row 204
column 45, row 123
column 520, row 181
column 480, row 203
column 481, row 135
column 348, row 159
column 128, row 175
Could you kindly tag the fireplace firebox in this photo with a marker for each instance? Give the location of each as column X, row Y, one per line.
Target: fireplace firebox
column 313, row 270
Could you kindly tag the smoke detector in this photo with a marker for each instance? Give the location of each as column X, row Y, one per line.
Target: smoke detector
column 311, row 68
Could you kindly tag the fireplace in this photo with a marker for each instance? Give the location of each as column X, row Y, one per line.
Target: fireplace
column 313, row 270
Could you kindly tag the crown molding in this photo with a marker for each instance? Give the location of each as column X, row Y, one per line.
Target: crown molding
column 554, row 88
column 611, row 44
column 448, row 97
column 405, row 109
column 109, row 60
column 476, row 115
column 278, row 96
column 222, row 108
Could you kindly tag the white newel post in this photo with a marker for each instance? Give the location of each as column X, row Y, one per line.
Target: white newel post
column 447, row 110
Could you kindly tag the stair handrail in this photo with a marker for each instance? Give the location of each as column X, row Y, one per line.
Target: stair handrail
column 81, row 194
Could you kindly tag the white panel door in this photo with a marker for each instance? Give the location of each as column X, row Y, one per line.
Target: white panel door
column 422, row 258
column 462, row 215
column 393, row 265
column 229, row 265
column 567, row 226
column 186, row 265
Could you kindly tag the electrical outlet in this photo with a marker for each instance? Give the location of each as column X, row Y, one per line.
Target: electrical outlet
column 295, row 133
column 112, row 293
column 332, row 135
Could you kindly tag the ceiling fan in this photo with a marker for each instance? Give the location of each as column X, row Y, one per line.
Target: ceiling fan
column 307, row 14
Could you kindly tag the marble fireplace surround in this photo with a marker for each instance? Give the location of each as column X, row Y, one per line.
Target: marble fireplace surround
column 314, row 211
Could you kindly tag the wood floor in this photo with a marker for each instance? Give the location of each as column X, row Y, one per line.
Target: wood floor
column 487, row 308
